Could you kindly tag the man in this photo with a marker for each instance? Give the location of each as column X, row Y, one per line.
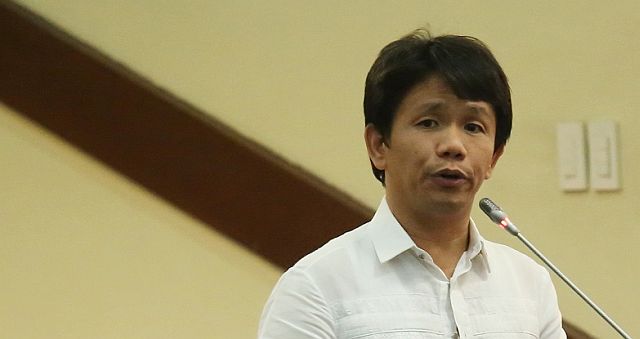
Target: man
column 437, row 116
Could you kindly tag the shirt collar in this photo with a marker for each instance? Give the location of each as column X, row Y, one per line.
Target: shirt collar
column 390, row 239
column 477, row 245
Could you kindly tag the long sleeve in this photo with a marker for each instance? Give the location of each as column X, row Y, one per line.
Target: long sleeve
column 296, row 309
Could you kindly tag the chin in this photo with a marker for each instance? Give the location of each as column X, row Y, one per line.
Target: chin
column 449, row 206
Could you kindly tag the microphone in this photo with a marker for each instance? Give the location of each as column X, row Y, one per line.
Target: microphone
column 498, row 216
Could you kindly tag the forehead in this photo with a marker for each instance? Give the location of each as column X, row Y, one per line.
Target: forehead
column 435, row 95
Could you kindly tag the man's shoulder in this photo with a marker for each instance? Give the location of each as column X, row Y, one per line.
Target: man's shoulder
column 338, row 251
column 503, row 256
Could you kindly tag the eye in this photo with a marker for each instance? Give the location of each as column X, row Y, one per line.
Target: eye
column 428, row 123
column 474, row 128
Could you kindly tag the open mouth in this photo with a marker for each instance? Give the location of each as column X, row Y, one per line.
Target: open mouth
column 453, row 175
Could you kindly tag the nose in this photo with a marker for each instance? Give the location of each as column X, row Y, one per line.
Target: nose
column 451, row 145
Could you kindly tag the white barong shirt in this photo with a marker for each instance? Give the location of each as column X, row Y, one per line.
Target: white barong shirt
column 374, row 282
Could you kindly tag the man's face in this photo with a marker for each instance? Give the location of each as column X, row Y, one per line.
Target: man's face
column 439, row 152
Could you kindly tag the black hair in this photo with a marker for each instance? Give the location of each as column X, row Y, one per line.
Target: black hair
column 465, row 64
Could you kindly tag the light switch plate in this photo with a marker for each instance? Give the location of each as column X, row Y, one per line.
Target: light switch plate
column 572, row 163
column 603, row 155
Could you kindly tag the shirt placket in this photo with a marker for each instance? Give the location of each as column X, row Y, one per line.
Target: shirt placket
column 456, row 297
column 444, row 293
column 459, row 307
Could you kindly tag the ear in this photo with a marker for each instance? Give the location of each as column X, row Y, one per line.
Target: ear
column 376, row 146
column 496, row 155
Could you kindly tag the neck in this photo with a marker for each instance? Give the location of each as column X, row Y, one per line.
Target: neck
column 445, row 236
column 435, row 224
column 445, row 246
column 448, row 239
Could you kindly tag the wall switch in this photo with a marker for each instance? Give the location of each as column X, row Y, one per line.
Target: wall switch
column 603, row 155
column 572, row 163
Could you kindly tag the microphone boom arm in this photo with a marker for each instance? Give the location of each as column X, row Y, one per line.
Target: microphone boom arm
column 573, row 286
column 499, row 217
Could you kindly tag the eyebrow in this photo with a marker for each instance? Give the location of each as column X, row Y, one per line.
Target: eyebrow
column 431, row 105
column 479, row 107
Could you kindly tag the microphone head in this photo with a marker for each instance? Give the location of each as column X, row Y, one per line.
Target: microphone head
column 498, row 216
column 492, row 210
column 486, row 205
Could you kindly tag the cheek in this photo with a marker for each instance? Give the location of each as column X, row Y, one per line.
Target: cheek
column 488, row 169
column 487, row 174
column 484, row 162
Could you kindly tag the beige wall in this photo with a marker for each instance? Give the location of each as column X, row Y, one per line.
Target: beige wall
column 290, row 74
column 86, row 254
